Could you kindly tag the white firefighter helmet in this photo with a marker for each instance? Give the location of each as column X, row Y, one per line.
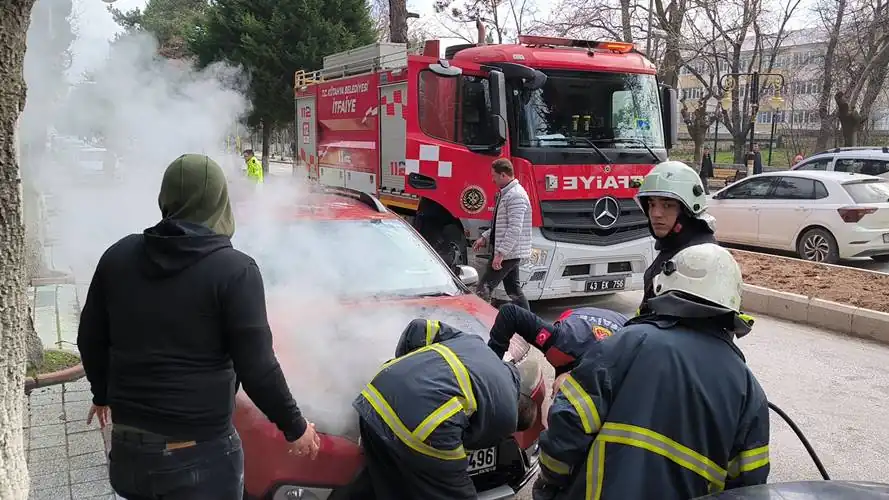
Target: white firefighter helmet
column 706, row 271
column 674, row 179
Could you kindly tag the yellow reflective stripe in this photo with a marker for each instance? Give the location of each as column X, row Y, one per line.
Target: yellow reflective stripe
column 640, row 437
column 748, row 460
column 391, row 362
column 436, row 418
column 463, row 380
column 748, row 319
column 432, row 328
column 583, row 403
column 388, row 415
column 595, row 470
column 639, row 310
column 556, row 466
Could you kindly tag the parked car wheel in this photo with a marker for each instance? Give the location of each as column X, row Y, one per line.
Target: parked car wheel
column 880, row 258
column 818, row 245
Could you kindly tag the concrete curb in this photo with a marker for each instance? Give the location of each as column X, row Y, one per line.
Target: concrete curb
column 840, row 318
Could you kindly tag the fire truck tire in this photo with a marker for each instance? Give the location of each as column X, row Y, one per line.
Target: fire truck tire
column 450, row 243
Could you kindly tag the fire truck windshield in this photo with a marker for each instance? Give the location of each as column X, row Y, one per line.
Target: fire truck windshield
column 575, row 109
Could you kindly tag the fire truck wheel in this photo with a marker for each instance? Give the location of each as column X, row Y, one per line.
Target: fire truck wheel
column 450, row 243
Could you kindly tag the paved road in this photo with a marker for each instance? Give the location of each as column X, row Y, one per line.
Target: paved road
column 835, row 388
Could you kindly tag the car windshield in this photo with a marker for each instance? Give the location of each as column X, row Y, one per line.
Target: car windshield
column 574, row 108
column 869, row 191
column 346, row 259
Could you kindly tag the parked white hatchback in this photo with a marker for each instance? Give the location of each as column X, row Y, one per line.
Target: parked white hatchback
column 822, row 216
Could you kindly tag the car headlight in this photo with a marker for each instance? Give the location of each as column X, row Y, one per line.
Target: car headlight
column 537, row 257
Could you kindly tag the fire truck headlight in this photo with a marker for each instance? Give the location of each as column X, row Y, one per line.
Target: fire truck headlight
column 538, row 257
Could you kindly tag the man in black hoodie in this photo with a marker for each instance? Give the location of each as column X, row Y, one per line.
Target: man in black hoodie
column 174, row 319
column 672, row 197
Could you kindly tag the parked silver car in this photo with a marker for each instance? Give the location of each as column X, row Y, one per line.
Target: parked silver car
column 872, row 160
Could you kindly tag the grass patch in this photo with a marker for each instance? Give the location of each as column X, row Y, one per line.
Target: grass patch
column 780, row 157
column 53, row 361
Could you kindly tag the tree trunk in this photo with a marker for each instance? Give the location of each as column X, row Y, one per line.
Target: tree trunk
column 740, row 148
column 697, row 121
column 35, row 258
column 266, row 139
column 626, row 20
column 850, row 120
column 398, row 21
column 14, row 20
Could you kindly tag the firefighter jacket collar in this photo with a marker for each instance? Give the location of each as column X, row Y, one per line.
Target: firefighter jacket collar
column 672, row 309
column 694, row 230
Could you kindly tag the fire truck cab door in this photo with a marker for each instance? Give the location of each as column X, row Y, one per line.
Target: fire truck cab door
column 453, row 140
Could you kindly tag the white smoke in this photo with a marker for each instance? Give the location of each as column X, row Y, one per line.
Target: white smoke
column 328, row 339
column 330, row 286
column 147, row 111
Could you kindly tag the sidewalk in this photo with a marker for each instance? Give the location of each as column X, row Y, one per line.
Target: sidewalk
column 66, row 459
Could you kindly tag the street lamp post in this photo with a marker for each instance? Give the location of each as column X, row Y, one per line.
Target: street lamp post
column 754, row 103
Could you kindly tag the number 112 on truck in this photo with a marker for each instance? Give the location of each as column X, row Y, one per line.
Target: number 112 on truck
column 582, row 122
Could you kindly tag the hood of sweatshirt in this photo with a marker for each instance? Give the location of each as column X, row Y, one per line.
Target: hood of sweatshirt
column 197, row 217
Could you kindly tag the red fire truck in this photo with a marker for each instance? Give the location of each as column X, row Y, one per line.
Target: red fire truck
column 582, row 121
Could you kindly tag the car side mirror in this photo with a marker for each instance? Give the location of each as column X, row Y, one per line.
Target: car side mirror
column 468, row 275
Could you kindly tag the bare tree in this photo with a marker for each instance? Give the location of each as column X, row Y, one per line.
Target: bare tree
column 504, row 19
column 14, row 20
column 865, row 47
column 831, row 13
column 734, row 51
column 398, row 21
column 611, row 19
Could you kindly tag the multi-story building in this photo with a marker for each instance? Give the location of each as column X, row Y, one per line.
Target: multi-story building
column 801, row 61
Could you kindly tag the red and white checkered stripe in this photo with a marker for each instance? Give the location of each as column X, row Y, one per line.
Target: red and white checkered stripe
column 430, row 162
column 394, row 108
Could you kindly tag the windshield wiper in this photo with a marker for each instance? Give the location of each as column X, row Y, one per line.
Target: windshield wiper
column 593, row 145
column 636, row 141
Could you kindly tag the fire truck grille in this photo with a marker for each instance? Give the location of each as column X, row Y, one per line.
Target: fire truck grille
column 572, row 221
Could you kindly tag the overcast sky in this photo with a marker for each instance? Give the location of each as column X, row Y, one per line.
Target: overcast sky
column 95, row 27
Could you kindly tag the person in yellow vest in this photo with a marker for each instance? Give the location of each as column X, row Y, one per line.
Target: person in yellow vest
column 254, row 167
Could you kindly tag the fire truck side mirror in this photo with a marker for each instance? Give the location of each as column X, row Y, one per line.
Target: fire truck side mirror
column 670, row 116
column 498, row 104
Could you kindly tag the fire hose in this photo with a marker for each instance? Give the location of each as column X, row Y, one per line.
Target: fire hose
column 799, row 434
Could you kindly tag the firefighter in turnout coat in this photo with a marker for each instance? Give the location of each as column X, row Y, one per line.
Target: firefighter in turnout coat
column 444, row 393
column 667, row 409
column 673, row 198
column 563, row 342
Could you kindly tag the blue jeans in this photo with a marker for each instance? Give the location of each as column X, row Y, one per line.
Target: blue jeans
column 146, row 466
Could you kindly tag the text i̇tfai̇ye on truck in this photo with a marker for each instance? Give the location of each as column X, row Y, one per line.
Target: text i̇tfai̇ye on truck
column 582, row 122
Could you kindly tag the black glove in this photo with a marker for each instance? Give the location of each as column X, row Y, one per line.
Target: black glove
column 543, row 490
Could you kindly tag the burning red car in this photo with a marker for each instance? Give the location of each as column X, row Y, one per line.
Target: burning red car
column 343, row 277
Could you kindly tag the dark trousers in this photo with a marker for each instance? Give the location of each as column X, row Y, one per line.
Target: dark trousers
column 508, row 274
column 388, row 476
column 705, row 181
column 145, row 466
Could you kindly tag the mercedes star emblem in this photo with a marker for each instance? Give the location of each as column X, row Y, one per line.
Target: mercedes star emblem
column 606, row 211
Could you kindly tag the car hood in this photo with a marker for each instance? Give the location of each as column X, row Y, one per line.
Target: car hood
column 328, row 352
column 807, row 490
